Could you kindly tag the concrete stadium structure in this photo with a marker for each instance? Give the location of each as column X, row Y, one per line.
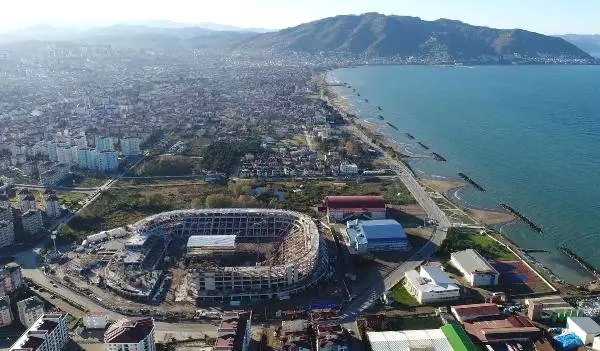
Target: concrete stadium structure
column 297, row 260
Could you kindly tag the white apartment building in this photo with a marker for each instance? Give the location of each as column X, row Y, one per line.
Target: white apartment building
column 348, row 168
column 476, row 269
column 10, row 278
column 52, row 206
column 107, row 161
column 87, row 158
column 95, row 320
column 32, row 221
column 64, row 154
column 431, row 284
column 104, row 144
column 48, row 333
column 131, row 146
column 6, row 316
column 30, row 310
column 27, row 202
column 7, row 233
column 131, row 335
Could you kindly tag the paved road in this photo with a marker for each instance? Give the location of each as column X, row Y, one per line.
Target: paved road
column 368, row 298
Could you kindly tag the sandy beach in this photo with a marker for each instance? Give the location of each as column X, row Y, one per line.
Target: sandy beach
column 442, row 186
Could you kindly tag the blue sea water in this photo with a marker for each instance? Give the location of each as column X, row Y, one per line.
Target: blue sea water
column 529, row 134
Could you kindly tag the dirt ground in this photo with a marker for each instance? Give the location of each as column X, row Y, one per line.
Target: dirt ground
column 491, row 217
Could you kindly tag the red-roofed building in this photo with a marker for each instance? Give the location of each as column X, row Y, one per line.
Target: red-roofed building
column 343, row 208
column 131, row 335
column 486, row 323
column 234, row 331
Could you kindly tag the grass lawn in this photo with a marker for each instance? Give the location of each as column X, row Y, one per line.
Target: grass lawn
column 459, row 239
column 402, row 296
column 492, row 249
column 84, row 180
column 312, row 193
column 70, row 199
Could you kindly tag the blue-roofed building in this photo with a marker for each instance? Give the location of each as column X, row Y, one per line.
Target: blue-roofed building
column 377, row 235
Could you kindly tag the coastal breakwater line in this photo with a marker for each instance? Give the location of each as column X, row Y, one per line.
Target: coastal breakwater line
column 583, row 263
column 423, row 145
column 438, row 157
column 527, row 221
column 471, row 181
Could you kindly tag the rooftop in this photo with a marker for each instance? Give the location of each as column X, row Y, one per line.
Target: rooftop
column 212, row 241
column 355, row 203
column 409, row 340
column 128, row 331
column 232, row 331
column 586, row 323
column 36, row 334
column 473, row 262
column 376, row 230
column 430, row 279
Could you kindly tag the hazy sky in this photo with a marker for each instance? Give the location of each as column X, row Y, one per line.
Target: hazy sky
column 545, row 16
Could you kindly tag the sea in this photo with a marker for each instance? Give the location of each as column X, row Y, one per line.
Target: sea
column 530, row 135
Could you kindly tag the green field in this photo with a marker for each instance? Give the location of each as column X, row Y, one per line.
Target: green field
column 402, row 296
column 459, row 239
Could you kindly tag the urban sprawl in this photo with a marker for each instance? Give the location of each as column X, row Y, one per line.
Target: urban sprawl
column 170, row 201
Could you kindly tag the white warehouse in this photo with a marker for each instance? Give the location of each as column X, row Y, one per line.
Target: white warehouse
column 476, row 269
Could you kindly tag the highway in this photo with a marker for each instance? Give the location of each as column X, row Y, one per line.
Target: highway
column 369, row 297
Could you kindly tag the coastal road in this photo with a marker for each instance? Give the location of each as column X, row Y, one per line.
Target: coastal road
column 369, row 297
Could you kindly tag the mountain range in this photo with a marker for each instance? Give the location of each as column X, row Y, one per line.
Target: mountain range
column 589, row 43
column 366, row 35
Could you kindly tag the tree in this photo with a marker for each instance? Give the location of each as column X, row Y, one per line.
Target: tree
column 218, row 201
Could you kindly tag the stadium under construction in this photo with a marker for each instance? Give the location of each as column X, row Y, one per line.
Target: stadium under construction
column 227, row 253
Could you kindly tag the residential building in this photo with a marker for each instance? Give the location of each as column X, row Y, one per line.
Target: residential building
column 80, row 141
column 348, row 169
column 29, row 168
column 234, row 332
column 87, row 158
column 7, row 233
column 476, row 269
column 430, row 285
column 4, row 201
column 107, row 161
column 11, row 278
column 48, row 333
column 344, row 208
column 64, row 155
column 52, row 205
column 131, row 147
column 52, row 151
column 53, row 174
column 584, row 327
column 32, row 222
column 6, row 316
column 104, row 144
column 95, row 320
column 377, row 235
column 27, row 202
column 30, row 310
column 131, row 335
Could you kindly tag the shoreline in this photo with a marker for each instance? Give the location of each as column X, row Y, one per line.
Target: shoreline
column 494, row 220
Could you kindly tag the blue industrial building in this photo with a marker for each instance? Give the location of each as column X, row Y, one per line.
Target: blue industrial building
column 377, row 235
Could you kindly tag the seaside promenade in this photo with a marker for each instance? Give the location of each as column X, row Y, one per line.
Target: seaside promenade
column 369, row 297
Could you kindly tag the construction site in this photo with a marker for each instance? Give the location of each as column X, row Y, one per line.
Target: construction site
column 225, row 254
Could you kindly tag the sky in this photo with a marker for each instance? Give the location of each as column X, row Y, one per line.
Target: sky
column 543, row 16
